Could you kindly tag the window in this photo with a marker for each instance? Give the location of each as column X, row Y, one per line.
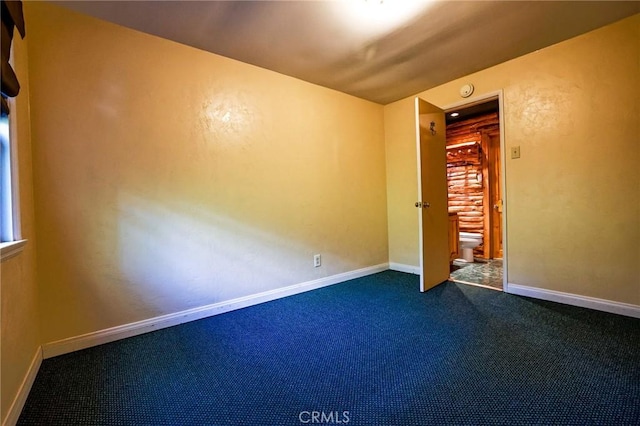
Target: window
column 6, row 214
column 10, row 243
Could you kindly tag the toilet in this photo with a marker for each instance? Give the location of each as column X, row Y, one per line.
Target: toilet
column 469, row 241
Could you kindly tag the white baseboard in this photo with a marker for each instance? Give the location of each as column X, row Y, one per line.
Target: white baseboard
column 400, row 267
column 25, row 387
column 88, row 340
column 604, row 305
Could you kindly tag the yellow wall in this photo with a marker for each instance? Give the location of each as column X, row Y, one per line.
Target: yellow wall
column 402, row 182
column 168, row 178
column 20, row 335
column 573, row 198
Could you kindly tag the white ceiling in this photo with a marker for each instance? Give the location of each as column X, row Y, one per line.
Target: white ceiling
column 323, row 42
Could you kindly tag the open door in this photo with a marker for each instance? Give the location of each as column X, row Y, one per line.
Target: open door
column 432, row 192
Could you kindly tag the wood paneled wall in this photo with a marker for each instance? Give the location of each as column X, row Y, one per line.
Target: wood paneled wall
column 468, row 174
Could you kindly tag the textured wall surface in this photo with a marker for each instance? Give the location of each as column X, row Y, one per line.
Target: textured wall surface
column 402, row 182
column 18, row 286
column 168, row 178
column 573, row 198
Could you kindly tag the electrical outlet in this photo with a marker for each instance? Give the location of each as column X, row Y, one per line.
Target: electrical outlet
column 317, row 260
column 515, row 152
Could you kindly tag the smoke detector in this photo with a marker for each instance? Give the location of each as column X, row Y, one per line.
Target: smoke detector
column 466, row 90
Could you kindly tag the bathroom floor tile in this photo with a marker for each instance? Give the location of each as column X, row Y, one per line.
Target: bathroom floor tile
column 484, row 272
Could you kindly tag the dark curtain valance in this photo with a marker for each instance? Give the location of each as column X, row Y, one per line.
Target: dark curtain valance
column 11, row 18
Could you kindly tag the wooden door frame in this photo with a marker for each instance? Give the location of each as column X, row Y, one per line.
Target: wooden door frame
column 499, row 95
column 495, row 195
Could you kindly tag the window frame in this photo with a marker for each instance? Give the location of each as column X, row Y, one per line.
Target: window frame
column 16, row 243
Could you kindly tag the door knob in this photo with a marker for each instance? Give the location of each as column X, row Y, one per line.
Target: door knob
column 422, row 205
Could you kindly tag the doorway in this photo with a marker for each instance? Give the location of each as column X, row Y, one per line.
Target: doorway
column 475, row 191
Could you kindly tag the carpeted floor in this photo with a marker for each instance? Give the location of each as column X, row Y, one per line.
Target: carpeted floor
column 372, row 351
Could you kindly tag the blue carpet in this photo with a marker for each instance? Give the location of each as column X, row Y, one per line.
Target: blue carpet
column 371, row 351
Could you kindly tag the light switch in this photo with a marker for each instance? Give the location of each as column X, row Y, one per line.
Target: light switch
column 515, row 152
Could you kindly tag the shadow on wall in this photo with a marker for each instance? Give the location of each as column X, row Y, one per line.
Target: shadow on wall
column 182, row 255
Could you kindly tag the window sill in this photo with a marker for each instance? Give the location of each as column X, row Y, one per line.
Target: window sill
column 10, row 249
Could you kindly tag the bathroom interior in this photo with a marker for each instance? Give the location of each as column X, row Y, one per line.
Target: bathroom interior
column 475, row 195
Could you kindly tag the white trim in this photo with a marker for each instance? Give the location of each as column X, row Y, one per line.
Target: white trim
column 112, row 334
column 10, row 249
column 505, row 207
column 604, row 305
column 401, row 267
column 474, row 284
column 23, row 392
column 467, row 102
